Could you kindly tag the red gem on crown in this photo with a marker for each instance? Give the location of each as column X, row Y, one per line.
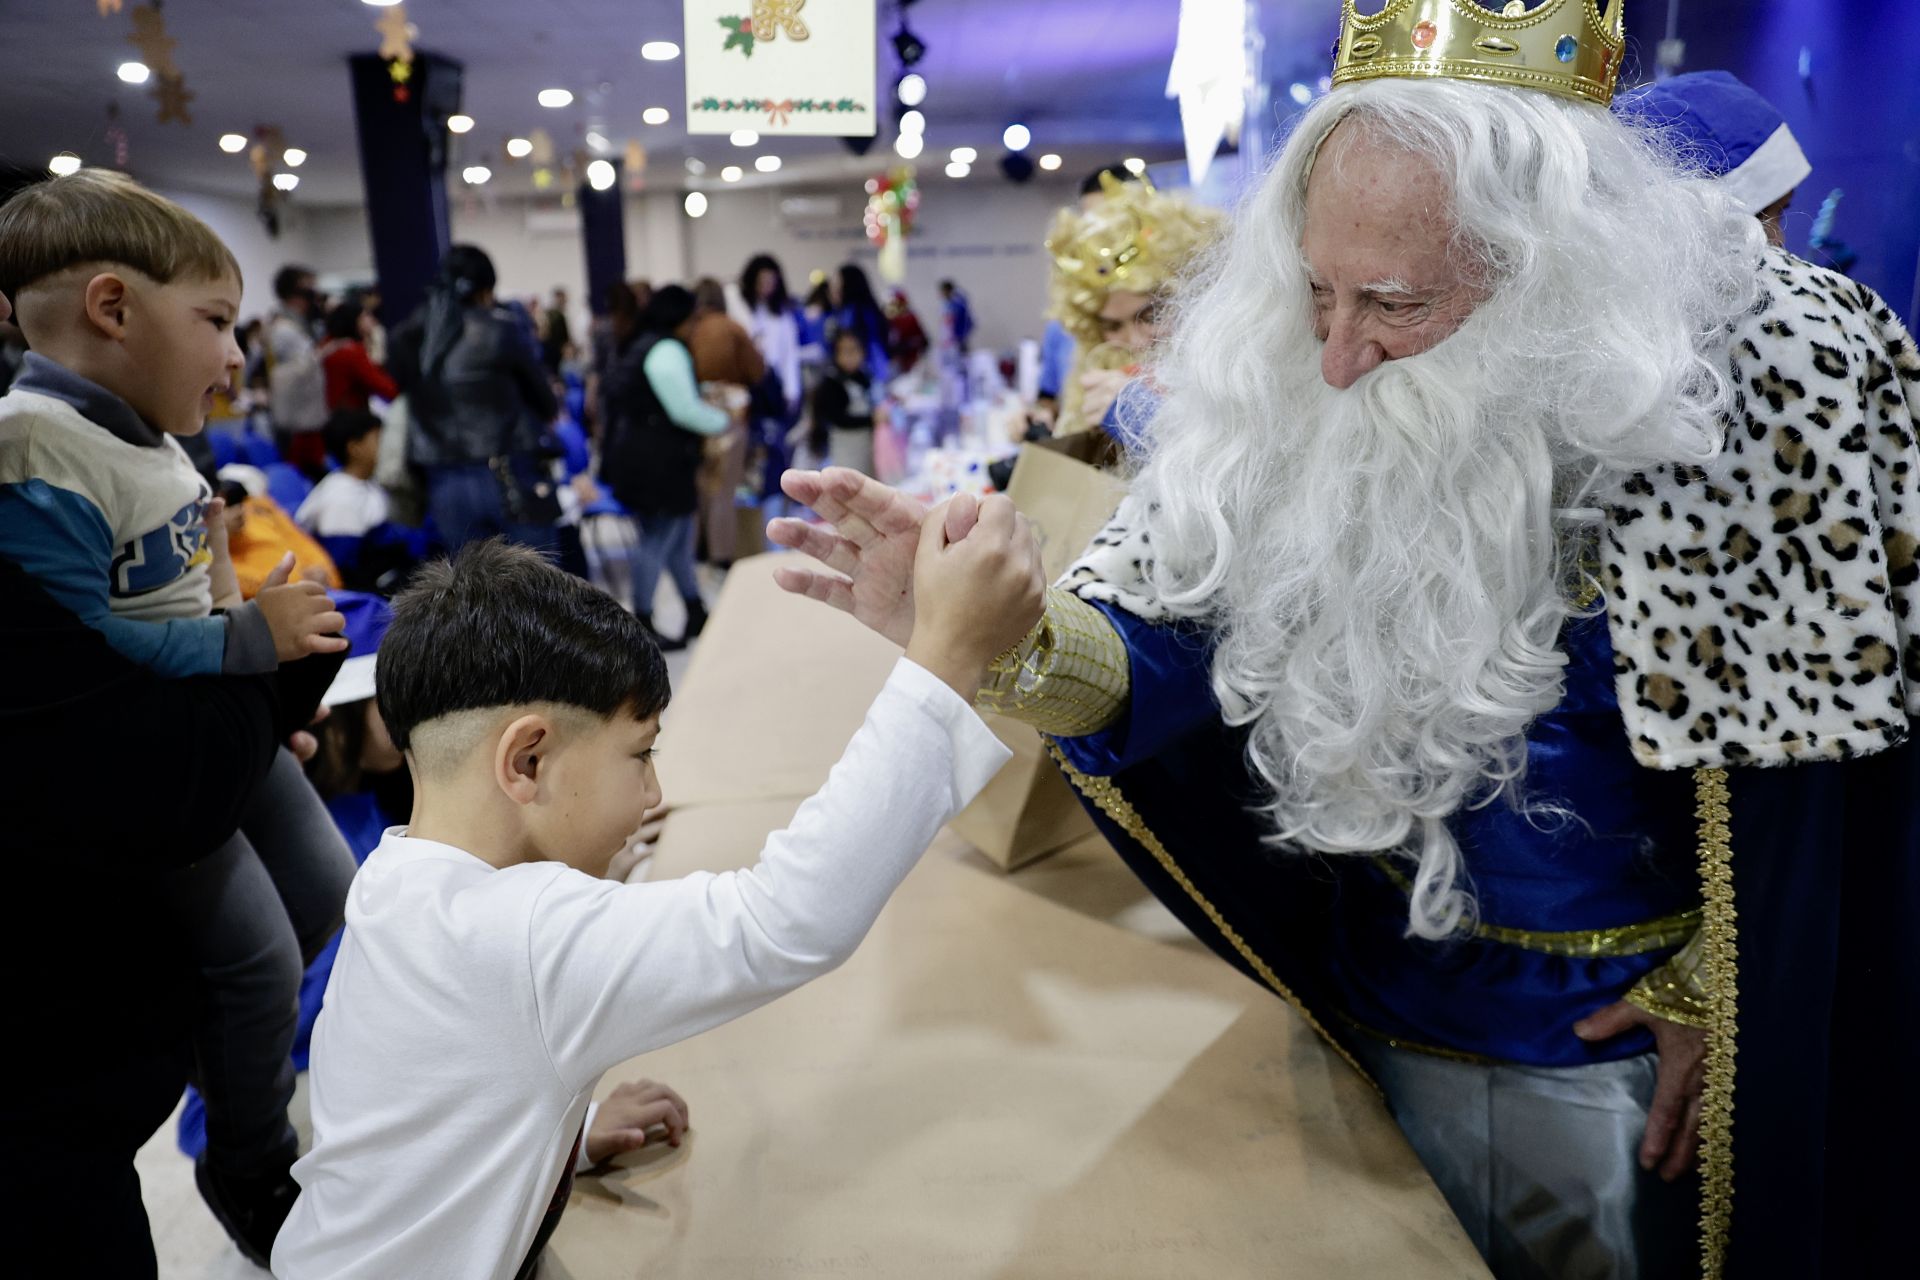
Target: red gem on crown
column 1423, row 35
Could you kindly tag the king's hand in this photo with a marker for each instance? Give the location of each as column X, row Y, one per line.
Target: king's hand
column 868, row 547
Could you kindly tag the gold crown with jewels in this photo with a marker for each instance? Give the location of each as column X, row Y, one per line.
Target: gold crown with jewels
column 1566, row 47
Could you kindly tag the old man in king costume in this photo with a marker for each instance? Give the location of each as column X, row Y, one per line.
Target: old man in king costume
column 1506, row 655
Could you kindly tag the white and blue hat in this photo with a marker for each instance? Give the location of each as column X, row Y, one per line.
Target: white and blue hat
column 1728, row 130
column 368, row 617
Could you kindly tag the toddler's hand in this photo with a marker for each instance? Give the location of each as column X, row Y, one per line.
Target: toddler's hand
column 623, row 1119
column 300, row 615
column 978, row 588
column 225, row 582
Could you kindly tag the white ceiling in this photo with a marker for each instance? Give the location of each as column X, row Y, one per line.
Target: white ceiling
column 1087, row 75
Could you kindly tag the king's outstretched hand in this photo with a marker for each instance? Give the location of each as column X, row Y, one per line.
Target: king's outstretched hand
column 868, row 545
column 977, row 563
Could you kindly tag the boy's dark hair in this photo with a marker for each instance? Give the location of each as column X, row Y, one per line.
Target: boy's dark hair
column 344, row 320
column 343, row 428
column 498, row 626
column 288, row 281
column 97, row 215
column 233, row 491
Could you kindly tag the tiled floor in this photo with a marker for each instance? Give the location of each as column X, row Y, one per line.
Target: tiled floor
column 190, row 1244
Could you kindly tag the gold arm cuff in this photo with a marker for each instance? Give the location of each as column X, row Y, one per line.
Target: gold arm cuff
column 1677, row 990
column 1067, row 678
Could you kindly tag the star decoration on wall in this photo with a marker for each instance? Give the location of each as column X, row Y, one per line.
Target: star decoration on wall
column 396, row 33
column 151, row 39
column 173, row 96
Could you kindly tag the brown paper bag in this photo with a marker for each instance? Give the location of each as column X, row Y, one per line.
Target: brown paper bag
column 1067, row 489
column 1029, row 810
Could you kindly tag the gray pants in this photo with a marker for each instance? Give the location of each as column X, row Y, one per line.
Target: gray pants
column 254, row 913
column 1540, row 1164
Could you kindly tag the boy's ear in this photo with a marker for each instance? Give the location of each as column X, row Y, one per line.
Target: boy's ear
column 518, row 757
column 105, row 303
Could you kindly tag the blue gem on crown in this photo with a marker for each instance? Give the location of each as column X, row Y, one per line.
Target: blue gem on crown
column 1565, row 47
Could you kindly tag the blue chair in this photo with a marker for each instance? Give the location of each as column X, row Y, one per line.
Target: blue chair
column 259, row 451
column 286, row 486
column 225, row 446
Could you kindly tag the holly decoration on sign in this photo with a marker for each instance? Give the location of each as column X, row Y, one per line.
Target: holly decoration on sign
column 740, row 35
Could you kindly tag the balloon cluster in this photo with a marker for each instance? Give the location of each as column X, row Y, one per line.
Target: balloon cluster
column 891, row 203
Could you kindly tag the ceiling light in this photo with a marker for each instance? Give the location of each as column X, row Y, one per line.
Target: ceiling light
column 963, row 155
column 64, row 163
column 660, row 51
column 766, row 164
column 1300, row 93
column 913, row 122
column 233, row 142
column 601, row 175
column 732, row 173
column 1017, row 137
column 959, row 169
column 294, row 157
column 459, row 124
column 908, row 146
column 696, row 166
column 909, row 46
column 912, row 89
column 381, row 4
column 745, row 138
column 134, row 72
column 519, row 148
column 556, row 97
column 286, row 181
column 696, row 204
column 1049, row 162
column 475, row 174
column 656, row 115
column 598, row 141
column 1136, row 166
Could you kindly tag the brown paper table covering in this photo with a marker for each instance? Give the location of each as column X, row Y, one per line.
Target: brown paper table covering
column 1003, row 1082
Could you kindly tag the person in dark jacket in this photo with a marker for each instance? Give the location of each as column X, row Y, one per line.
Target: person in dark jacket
column 480, row 404
column 652, row 455
column 168, row 766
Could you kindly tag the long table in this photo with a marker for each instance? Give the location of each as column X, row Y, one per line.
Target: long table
column 1026, row 1075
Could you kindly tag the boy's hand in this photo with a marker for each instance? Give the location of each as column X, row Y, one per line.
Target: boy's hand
column 978, row 588
column 226, row 583
column 623, row 1119
column 300, row 615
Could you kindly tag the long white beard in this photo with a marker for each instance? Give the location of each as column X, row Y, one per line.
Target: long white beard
column 1388, row 604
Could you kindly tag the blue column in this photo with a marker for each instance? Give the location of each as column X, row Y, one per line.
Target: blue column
column 403, row 165
column 603, row 231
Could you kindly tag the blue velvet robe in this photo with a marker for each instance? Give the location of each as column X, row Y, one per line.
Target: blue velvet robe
column 1826, row 864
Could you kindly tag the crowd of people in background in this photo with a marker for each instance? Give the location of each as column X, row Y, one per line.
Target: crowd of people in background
column 337, row 459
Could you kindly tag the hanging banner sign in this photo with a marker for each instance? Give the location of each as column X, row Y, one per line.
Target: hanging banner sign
column 781, row 67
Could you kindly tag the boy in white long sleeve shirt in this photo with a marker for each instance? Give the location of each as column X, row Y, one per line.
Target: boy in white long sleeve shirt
column 488, row 978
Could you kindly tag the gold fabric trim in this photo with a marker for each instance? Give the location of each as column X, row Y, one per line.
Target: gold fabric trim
column 1107, row 798
column 1677, row 990
column 1068, row 677
column 1720, row 960
column 1416, row 1046
column 1622, row 940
